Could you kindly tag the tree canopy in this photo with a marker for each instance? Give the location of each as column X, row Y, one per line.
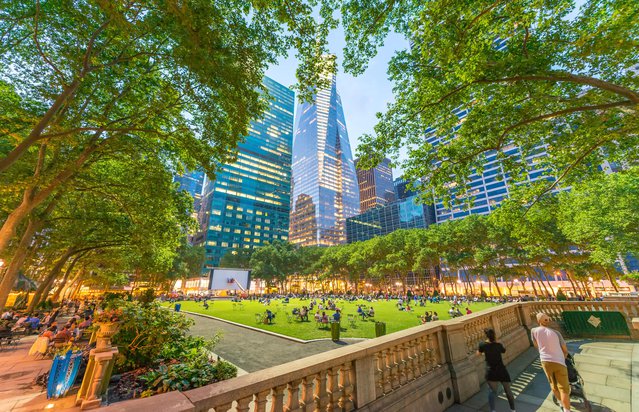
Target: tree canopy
column 491, row 76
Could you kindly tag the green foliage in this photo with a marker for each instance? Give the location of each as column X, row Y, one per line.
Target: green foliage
column 148, row 333
column 188, row 375
column 561, row 296
column 531, row 74
column 237, row 258
column 602, row 215
column 146, row 297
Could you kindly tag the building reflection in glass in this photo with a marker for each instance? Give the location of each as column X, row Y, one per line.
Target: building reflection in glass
column 324, row 190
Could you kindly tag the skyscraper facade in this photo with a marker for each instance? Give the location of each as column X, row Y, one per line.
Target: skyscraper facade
column 248, row 203
column 402, row 190
column 324, row 190
column 382, row 220
column 489, row 188
column 375, row 185
column 191, row 182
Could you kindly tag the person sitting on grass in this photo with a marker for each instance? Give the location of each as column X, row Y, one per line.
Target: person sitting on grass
column 318, row 317
column 371, row 312
column 468, row 311
column 269, row 316
column 435, row 317
column 361, row 312
column 304, row 314
column 205, row 304
column 324, row 318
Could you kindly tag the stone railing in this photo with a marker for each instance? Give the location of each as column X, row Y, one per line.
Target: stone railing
column 628, row 308
column 433, row 365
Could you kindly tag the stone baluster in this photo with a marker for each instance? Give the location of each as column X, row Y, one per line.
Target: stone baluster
column 401, row 360
column 261, row 400
column 277, row 399
column 243, row 404
column 308, row 401
column 334, row 392
column 380, row 366
column 394, row 358
column 225, row 407
column 415, row 368
column 346, row 388
column 387, row 375
column 320, row 394
column 293, row 399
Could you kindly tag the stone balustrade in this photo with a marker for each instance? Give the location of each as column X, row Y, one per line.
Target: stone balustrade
column 433, row 364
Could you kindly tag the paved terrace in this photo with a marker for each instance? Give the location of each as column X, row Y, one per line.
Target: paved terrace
column 610, row 370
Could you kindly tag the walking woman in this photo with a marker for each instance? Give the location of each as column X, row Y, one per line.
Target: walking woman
column 495, row 369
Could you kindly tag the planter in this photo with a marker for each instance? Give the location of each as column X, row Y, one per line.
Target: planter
column 380, row 329
column 104, row 335
column 335, row 331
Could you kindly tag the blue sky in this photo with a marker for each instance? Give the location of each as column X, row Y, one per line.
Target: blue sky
column 362, row 96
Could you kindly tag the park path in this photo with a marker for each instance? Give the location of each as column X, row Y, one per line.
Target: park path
column 251, row 350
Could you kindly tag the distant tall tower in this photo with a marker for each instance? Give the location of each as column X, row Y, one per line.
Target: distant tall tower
column 324, row 190
column 375, row 185
column 247, row 205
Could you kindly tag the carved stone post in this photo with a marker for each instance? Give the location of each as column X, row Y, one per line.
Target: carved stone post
column 462, row 369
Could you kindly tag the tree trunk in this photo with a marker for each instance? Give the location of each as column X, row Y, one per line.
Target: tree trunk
column 49, row 279
column 56, row 295
column 612, row 280
column 18, row 260
column 70, row 285
column 76, row 290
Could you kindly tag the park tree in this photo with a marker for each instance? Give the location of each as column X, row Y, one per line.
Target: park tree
column 274, row 263
column 179, row 80
column 603, row 216
column 527, row 76
column 237, row 258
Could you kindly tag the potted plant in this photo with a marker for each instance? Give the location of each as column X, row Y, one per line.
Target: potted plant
column 108, row 323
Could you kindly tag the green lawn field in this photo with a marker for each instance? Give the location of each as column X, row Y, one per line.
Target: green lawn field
column 248, row 312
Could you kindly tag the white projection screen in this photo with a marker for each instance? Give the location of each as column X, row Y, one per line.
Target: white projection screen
column 230, row 279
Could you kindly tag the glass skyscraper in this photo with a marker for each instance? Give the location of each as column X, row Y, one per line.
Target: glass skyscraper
column 375, row 185
column 192, row 182
column 324, row 190
column 493, row 185
column 247, row 205
column 382, row 220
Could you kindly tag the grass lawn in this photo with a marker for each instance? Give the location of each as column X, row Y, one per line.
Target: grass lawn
column 247, row 312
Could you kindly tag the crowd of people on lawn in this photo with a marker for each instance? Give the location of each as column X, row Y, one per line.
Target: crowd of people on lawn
column 78, row 317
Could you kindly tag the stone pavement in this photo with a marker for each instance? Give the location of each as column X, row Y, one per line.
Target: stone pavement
column 610, row 370
column 18, row 370
column 252, row 350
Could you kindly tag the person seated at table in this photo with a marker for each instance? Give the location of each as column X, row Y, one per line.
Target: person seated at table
column 304, row 314
column 296, row 312
column 49, row 333
column 408, row 308
column 33, row 323
column 20, row 323
column 269, row 316
column 361, row 312
column 63, row 336
column 318, row 317
column 324, row 318
column 86, row 323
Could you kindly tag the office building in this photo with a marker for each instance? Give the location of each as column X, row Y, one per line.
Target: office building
column 324, row 190
column 191, row 182
column 487, row 189
column 248, row 203
column 375, row 185
column 402, row 189
column 382, row 220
